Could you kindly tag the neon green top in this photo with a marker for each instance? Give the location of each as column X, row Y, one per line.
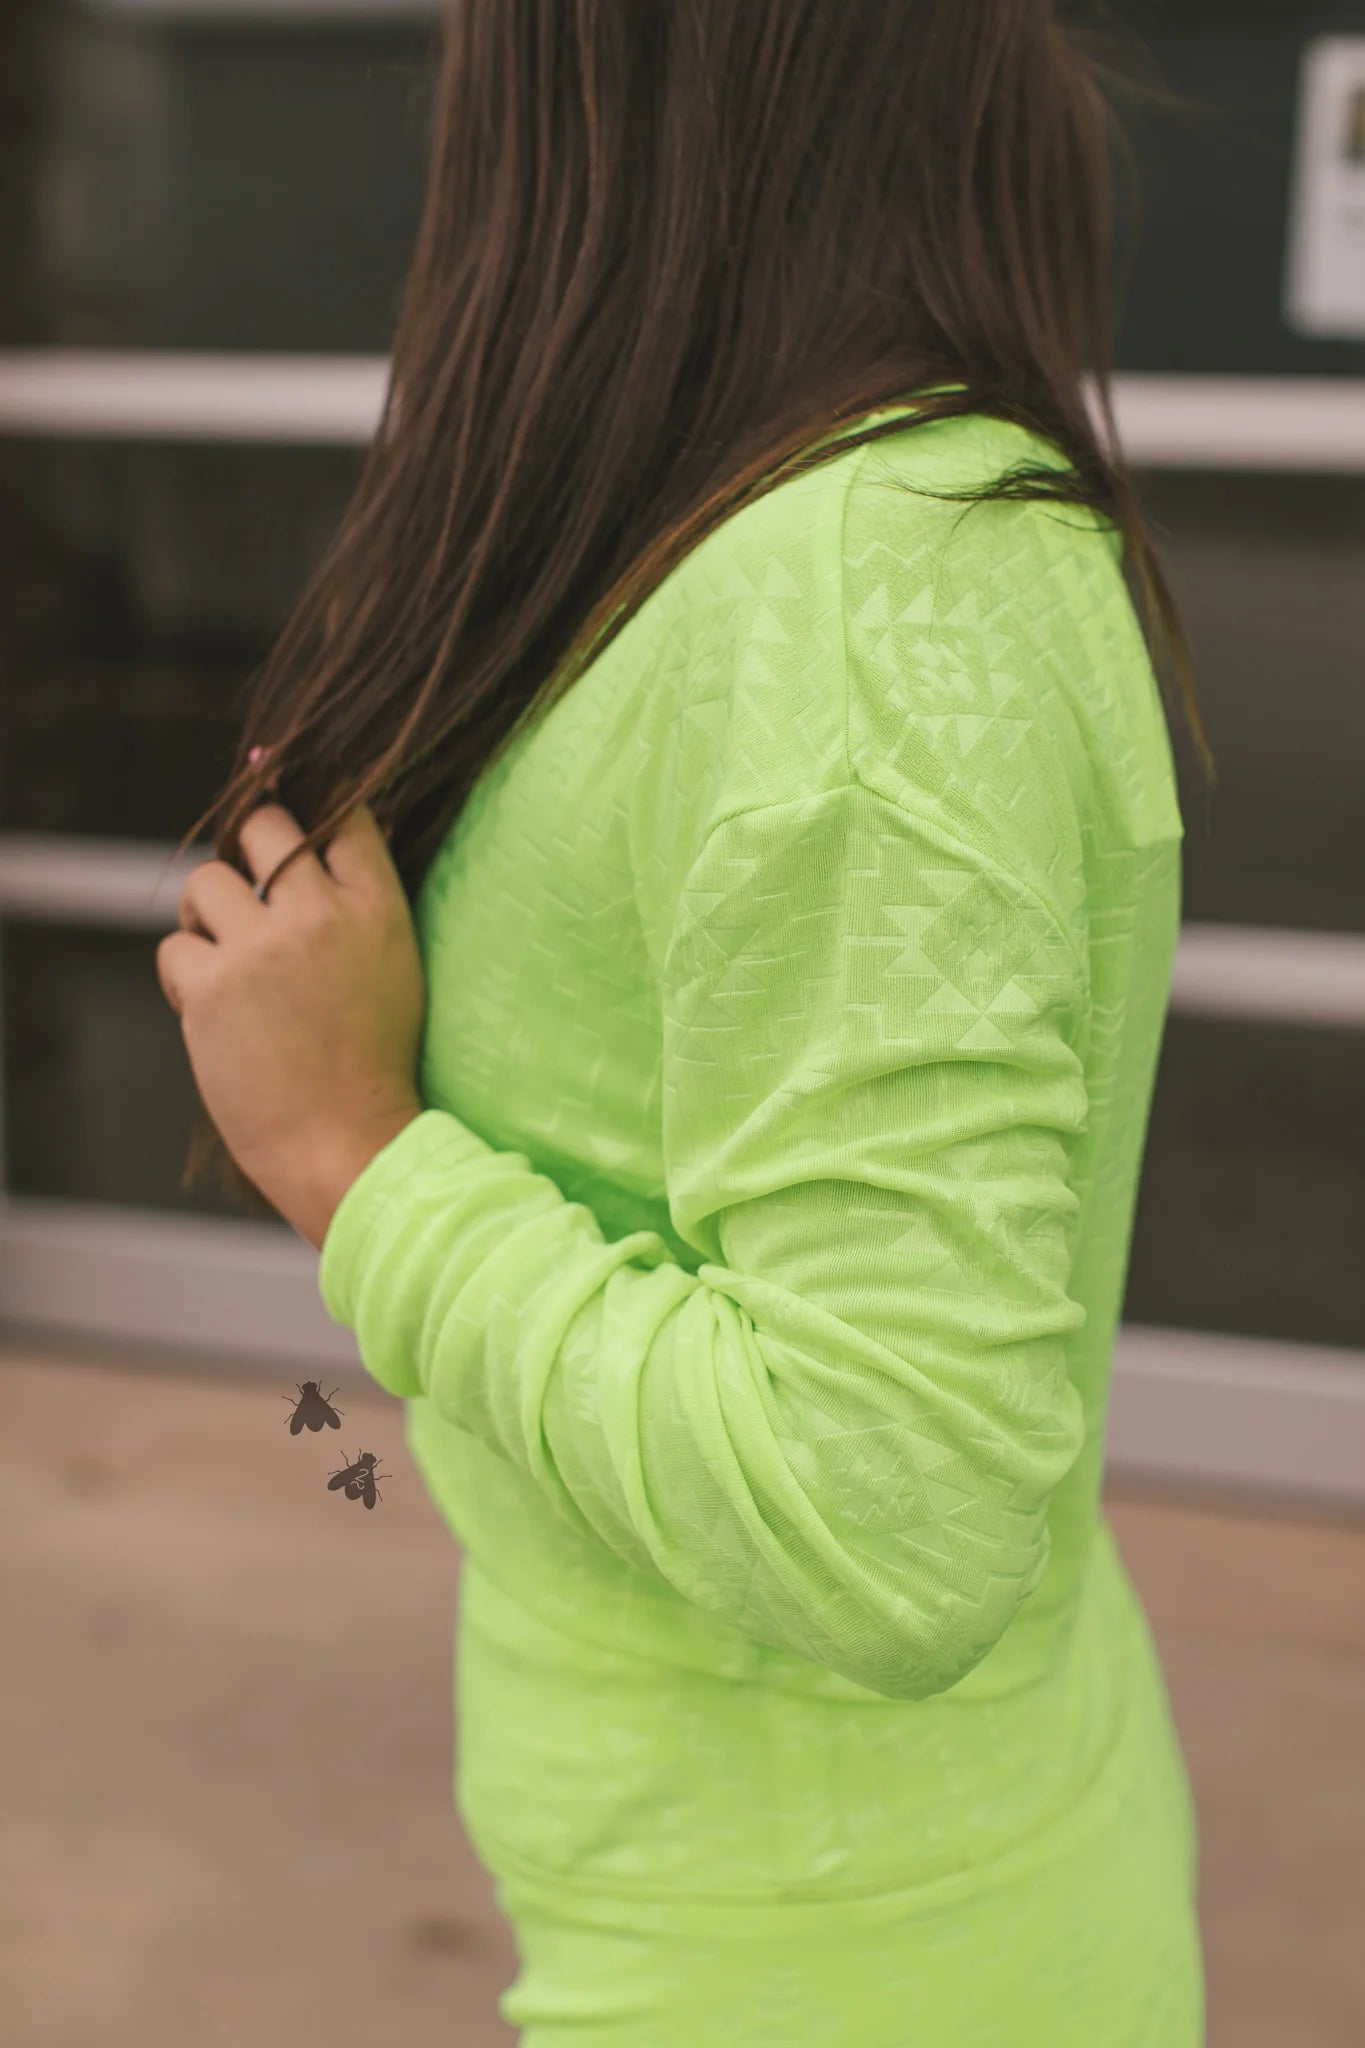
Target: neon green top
column 796, row 990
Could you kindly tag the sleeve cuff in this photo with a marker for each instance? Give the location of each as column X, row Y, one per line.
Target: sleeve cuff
column 435, row 1142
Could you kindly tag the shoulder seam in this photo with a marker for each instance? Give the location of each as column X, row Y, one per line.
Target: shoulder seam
column 855, row 775
column 923, row 819
column 856, row 778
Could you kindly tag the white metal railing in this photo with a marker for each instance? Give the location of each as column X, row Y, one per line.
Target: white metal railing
column 1243, row 423
column 1218, row 423
column 1258, row 972
column 331, row 399
column 51, row 878
column 1221, row 970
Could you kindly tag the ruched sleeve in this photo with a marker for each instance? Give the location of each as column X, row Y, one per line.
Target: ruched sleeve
column 840, row 1433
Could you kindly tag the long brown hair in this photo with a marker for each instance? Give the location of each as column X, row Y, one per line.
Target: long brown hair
column 670, row 254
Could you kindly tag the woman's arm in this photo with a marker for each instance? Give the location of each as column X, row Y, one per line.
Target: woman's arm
column 840, row 1434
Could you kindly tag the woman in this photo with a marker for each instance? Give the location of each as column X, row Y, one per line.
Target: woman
column 708, row 1023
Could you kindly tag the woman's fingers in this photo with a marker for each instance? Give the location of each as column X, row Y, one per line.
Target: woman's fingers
column 180, row 959
column 358, row 852
column 269, row 833
column 216, row 900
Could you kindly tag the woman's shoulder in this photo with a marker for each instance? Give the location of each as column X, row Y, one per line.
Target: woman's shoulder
column 905, row 506
column 861, row 623
column 921, row 491
column 995, row 664
column 963, row 451
column 919, row 528
column 882, row 562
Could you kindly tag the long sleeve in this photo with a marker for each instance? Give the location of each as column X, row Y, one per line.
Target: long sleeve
column 840, row 1433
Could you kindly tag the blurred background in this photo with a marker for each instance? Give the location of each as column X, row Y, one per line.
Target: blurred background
column 226, row 1717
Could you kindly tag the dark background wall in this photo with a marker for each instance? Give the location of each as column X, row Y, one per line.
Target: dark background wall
column 1204, row 289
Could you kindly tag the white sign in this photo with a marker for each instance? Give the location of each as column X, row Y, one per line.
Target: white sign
column 1326, row 292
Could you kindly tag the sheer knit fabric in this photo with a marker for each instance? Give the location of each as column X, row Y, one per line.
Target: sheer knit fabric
column 752, row 1275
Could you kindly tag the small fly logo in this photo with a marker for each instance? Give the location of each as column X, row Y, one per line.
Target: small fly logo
column 358, row 1479
column 313, row 1409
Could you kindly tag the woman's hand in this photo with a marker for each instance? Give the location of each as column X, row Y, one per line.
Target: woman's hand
column 303, row 1015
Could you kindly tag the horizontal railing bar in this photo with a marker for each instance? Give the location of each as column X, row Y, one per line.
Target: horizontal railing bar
column 1216, row 423
column 1299, row 424
column 55, row 878
column 331, row 400
column 1269, row 975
